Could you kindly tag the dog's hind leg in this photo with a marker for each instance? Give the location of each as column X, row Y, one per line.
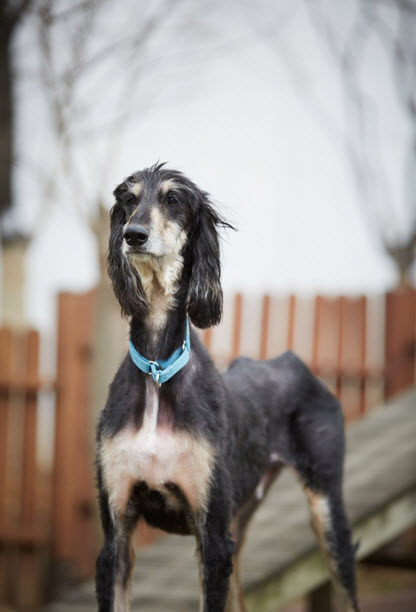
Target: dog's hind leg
column 316, row 451
column 309, row 435
column 332, row 530
column 235, row 599
column 239, row 526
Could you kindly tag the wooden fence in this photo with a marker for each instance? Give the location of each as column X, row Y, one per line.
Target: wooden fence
column 363, row 347
column 332, row 335
column 24, row 533
column 47, row 513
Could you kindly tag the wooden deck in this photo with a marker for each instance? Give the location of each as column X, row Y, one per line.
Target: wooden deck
column 281, row 560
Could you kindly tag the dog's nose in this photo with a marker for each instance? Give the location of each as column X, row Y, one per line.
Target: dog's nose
column 136, row 235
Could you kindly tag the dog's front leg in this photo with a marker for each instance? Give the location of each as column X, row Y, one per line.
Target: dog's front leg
column 115, row 561
column 215, row 549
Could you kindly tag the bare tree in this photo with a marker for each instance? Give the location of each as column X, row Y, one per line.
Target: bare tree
column 72, row 114
column 72, row 53
column 391, row 24
column 14, row 243
column 11, row 13
column 348, row 32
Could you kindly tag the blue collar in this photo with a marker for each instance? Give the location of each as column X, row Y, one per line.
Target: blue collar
column 161, row 371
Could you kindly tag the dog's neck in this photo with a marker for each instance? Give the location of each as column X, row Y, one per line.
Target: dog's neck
column 159, row 343
column 165, row 285
column 162, row 330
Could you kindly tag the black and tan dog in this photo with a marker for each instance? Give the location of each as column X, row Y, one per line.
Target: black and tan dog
column 187, row 449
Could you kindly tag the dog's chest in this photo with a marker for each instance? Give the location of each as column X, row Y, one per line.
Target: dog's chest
column 158, row 455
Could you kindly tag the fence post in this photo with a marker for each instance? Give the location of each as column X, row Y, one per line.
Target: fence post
column 236, row 341
column 400, row 340
column 74, row 532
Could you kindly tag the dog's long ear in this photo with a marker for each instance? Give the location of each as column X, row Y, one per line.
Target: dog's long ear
column 204, row 302
column 126, row 282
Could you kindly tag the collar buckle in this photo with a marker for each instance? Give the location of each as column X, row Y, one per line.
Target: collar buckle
column 161, row 372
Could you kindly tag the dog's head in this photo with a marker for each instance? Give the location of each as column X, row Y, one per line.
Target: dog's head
column 159, row 219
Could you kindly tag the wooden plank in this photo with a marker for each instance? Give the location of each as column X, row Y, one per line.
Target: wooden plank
column 85, row 541
column 319, row 600
column 73, row 483
column 29, row 467
column 315, row 334
column 341, row 307
column 23, row 535
column 64, row 431
column 5, row 353
column 15, row 441
column 20, row 535
column 326, row 340
column 310, row 571
column 400, row 347
column 351, row 361
column 291, row 322
column 13, row 485
column 264, row 329
column 27, row 385
column 31, row 573
column 28, row 576
column 236, row 338
column 327, row 331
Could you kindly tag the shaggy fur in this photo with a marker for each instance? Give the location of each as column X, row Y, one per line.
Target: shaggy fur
column 197, row 455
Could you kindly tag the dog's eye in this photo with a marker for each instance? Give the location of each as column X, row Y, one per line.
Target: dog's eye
column 171, row 198
column 129, row 199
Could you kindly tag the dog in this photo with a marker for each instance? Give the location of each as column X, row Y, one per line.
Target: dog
column 181, row 446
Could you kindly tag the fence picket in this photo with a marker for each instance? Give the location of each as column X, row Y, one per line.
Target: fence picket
column 291, row 322
column 29, row 471
column 236, row 338
column 264, row 330
column 5, row 354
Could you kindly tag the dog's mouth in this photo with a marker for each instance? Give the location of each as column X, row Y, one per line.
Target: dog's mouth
column 140, row 254
column 134, row 251
column 137, row 250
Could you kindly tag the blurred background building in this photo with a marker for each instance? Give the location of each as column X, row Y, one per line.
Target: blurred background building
column 299, row 117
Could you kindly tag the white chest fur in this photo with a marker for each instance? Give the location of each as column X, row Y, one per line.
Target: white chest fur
column 157, row 455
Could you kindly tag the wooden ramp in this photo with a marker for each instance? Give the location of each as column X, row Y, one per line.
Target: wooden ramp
column 281, row 560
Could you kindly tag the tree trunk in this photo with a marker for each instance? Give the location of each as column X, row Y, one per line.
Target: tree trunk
column 13, row 274
column 14, row 249
column 6, row 118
